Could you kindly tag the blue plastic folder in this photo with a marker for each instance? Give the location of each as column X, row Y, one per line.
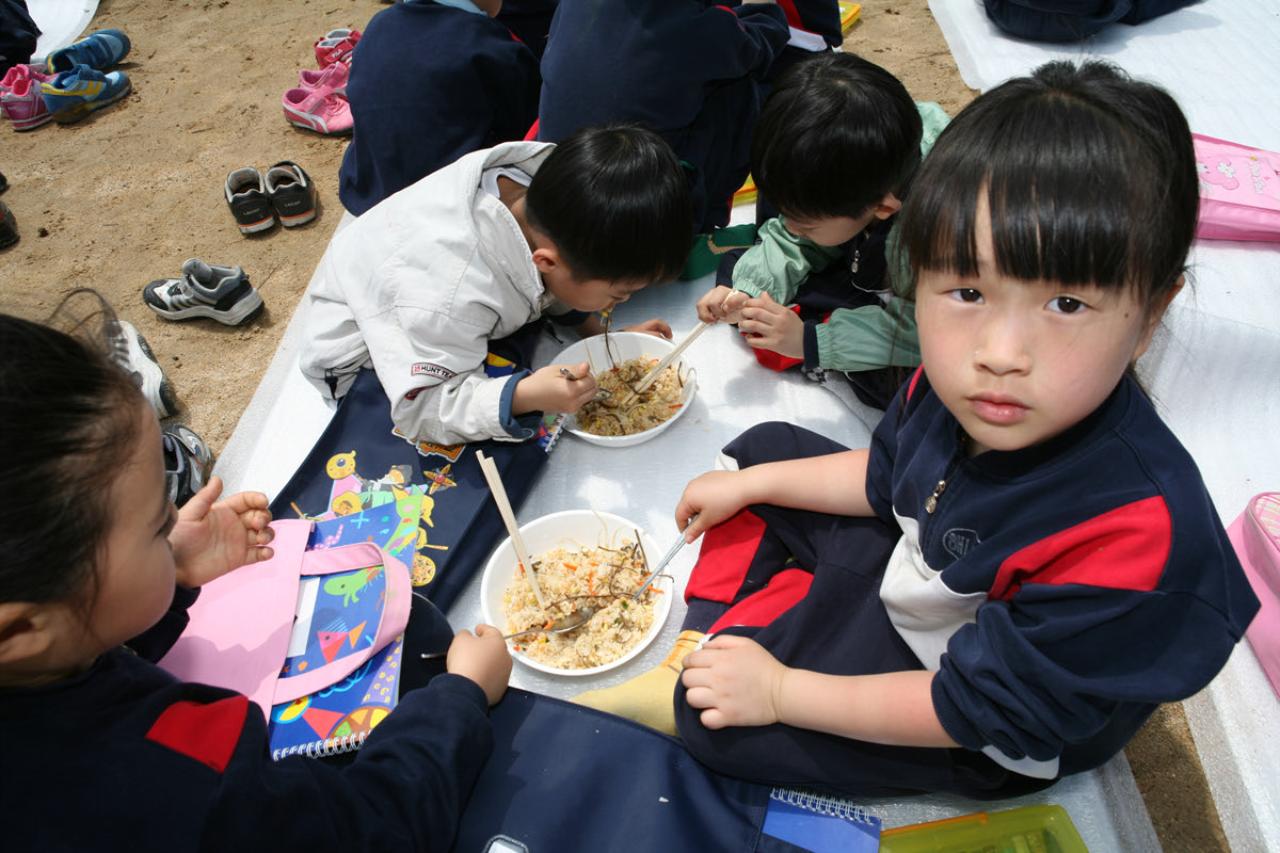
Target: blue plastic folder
column 820, row 824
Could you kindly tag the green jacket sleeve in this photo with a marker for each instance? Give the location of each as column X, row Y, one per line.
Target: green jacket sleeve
column 779, row 263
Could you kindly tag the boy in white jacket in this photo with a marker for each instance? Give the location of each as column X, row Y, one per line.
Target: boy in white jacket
column 420, row 284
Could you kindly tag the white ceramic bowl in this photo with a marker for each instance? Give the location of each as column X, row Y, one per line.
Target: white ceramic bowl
column 576, row 527
column 627, row 345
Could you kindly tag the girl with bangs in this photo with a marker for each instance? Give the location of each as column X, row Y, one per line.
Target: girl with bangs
column 1025, row 563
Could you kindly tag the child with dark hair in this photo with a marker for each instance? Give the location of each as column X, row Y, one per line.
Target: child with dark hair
column 421, row 285
column 431, row 80
column 98, row 573
column 691, row 70
column 1025, row 563
column 835, row 151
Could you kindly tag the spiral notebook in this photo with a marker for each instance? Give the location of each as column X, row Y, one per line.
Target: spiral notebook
column 819, row 823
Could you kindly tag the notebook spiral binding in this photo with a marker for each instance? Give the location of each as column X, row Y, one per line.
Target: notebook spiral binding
column 323, row 749
column 822, row 804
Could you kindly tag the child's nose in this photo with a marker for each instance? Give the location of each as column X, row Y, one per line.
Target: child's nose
column 1003, row 346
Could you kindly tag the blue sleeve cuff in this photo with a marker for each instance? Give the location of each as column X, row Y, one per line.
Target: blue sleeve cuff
column 517, row 426
column 811, row 345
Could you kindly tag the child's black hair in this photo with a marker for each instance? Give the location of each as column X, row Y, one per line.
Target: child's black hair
column 615, row 202
column 70, row 416
column 1089, row 177
column 836, row 135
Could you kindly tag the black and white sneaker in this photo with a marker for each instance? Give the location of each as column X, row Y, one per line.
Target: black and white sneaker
column 247, row 197
column 130, row 350
column 187, row 463
column 204, row 290
column 292, row 194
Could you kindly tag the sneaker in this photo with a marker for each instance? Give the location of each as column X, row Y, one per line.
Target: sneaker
column 74, row 94
column 100, row 50
column 187, row 463
column 292, row 193
column 21, row 102
column 8, row 227
column 204, row 290
column 336, row 46
column 333, row 78
column 247, row 198
column 130, row 350
column 20, row 72
column 321, row 110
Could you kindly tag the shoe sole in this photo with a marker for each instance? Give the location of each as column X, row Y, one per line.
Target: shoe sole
column 79, row 111
column 155, row 385
column 243, row 310
column 31, row 123
column 298, row 219
column 255, row 227
column 307, row 122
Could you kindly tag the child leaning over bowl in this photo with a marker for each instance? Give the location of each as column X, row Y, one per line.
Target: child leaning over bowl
column 424, row 284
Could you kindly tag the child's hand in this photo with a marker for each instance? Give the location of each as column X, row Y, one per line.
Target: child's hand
column 210, row 539
column 768, row 325
column 652, row 327
column 735, row 681
column 721, row 303
column 713, row 498
column 548, row 390
column 483, row 658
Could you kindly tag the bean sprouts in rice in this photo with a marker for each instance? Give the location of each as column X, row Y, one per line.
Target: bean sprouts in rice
column 621, row 411
column 573, row 577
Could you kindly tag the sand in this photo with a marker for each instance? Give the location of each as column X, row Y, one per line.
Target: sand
column 128, row 194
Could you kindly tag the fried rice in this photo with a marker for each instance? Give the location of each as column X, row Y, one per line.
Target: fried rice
column 623, row 412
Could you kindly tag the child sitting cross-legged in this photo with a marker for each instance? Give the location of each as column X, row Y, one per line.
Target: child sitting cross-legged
column 836, row 148
column 1025, row 563
column 422, row 285
column 105, row 751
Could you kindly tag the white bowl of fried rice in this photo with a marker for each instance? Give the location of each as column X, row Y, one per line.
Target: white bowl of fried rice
column 619, row 360
column 582, row 558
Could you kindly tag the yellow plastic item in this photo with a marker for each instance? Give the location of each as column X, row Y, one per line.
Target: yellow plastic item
column 1029, row 829
column 746, row 193
column 849, row 13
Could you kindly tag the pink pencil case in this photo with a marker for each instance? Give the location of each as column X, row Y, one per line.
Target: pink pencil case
column 1239, row 191
column 1255, row 535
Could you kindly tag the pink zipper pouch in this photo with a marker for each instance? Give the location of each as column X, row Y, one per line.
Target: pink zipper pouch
column 1255, row 535
column 1239, row 191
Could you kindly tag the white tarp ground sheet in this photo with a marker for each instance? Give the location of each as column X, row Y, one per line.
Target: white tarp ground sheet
column 1214, row 371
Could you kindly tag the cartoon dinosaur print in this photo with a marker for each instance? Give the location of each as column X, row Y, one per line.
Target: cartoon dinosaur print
column 349, row 585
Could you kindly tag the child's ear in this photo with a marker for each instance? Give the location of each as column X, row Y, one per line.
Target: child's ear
column 1157, row 314
column 887, row 206
column 546, row 259
column 25, row 633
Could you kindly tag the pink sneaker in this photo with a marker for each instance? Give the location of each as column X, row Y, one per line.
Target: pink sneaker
column 336, row 46
column 334, row 77
column 321, row 110
column 20, row 101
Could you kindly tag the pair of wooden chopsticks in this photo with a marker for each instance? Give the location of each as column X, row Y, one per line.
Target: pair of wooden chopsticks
column 490, row 470
column 656, row 371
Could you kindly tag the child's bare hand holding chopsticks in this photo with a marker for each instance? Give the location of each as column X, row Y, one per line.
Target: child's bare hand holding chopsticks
column 555, row 388
column 769, row 325
column 721, row 304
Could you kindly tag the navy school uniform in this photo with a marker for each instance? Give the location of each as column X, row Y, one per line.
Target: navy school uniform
column 530, row 20
column 688, row 69
column 430, row 83
column 1060, row 592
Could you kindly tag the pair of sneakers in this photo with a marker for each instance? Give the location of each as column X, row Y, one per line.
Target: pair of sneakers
column 319, row 101
column 204, row 290
column 20, row 99
column 81, row 84
column 257, row 200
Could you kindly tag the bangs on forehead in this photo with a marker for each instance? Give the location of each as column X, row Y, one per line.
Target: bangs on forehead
column 1072, row 190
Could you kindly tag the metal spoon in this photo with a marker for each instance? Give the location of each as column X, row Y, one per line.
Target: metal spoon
column 563, row 625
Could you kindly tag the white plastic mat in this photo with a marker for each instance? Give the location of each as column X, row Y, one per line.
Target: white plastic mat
column 642, row 484
column 60, row 21
column 1214, row 370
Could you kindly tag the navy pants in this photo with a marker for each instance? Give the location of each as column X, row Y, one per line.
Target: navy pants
column 806, row 586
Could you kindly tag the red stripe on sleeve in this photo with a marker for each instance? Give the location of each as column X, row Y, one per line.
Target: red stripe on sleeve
column 784, row 591
column 915, row 378
column 793, row 14
column 206, row 732
column 1126, row 548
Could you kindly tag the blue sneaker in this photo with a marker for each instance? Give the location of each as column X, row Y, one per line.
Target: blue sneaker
column 74, row 94
column 101, row 50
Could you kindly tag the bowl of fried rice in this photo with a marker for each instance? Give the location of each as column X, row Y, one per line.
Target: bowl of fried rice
column 582, row 559
column 619, row 360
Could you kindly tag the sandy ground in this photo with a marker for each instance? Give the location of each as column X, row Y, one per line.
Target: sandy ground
column 128, row 194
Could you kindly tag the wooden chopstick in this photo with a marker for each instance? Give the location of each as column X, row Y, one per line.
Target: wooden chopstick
column 662, row 365
column 491, row 476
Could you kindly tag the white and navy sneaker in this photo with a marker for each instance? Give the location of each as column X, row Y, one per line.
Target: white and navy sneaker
column 187, row 463
column 130, row 350
column 204, row 290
